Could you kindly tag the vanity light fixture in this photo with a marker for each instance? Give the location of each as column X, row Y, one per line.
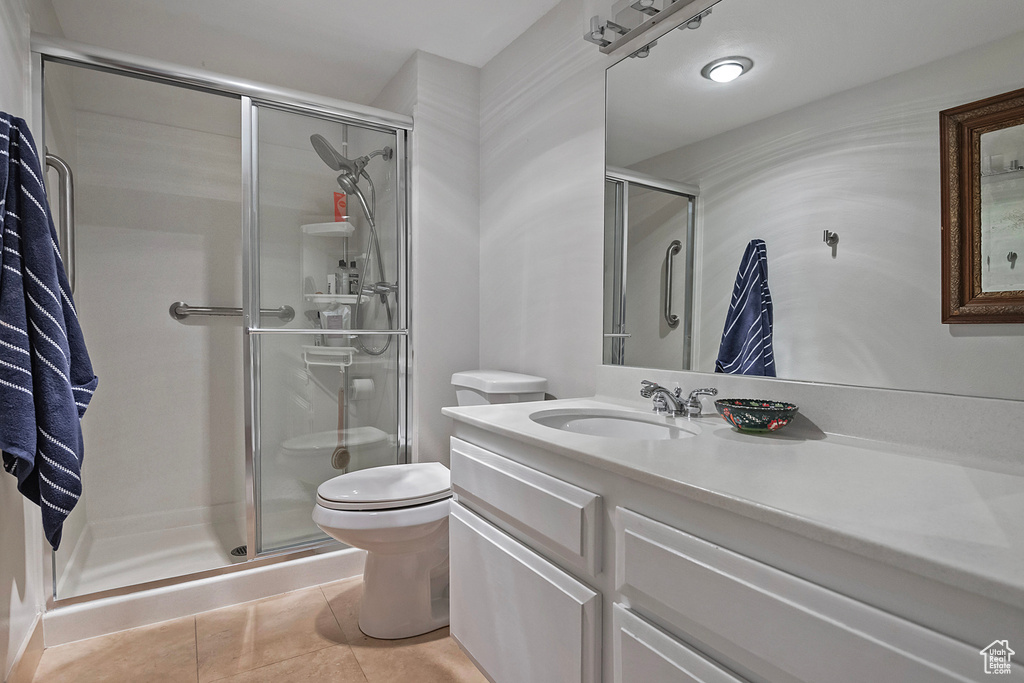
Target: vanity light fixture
column 726, row 69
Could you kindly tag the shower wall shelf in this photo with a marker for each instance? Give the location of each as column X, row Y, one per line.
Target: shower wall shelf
column 331, row 356
column 332, row 229
column 333, row 299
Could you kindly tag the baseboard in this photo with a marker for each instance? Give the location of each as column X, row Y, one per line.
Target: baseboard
column 109, row 615
column 27, row 660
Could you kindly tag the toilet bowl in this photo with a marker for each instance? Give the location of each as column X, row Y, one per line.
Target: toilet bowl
column 399, row 515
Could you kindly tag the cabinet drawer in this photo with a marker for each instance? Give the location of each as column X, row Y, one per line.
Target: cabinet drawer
column 763, row 620
column 559, row 516
column 516, row 614
column 646, row 653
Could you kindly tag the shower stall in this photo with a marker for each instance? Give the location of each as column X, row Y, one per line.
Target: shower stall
column 244, row 298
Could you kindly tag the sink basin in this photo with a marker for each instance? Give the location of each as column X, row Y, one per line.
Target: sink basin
column 616, row 424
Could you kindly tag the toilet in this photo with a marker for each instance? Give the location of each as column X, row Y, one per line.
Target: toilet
column 399, row 515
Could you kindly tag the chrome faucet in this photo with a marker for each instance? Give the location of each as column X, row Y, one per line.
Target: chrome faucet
column 671, row 402
column 665, row 401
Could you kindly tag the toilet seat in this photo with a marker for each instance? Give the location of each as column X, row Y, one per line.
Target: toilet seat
column 388, row 487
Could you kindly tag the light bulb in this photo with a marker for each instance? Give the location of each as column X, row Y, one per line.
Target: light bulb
column 726, row 69
column 723, row 73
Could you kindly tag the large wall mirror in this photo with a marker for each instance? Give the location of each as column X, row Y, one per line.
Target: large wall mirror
column 834, row 128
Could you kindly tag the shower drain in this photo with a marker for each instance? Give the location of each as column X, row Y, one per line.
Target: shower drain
column 240, row 551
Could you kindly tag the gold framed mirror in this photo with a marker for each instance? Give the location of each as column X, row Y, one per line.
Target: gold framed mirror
column 982, row 167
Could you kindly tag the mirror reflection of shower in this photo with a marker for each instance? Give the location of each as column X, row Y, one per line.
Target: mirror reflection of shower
column 351, row 171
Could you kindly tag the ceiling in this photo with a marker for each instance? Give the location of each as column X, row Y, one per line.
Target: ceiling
column 803, row 50
column 338, row 48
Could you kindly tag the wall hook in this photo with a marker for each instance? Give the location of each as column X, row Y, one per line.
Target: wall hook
column 1012, row 258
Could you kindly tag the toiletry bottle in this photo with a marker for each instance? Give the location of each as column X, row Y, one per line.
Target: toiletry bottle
column 332, row 283
column 340, row 207
column 342, row 277
column 353, row 279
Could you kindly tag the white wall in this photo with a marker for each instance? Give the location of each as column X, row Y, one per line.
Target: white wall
column 864, row 163
column 541, row 202
column 443, row 98
column 21, row 537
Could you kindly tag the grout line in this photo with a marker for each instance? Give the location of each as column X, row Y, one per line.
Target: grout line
column 195, row 633
column 366, row 677
column 304, row 654
column 333, row 614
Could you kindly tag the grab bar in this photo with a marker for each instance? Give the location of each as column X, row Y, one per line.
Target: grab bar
column 181, row 310
column 618, row 335
column 671, row 318
column 66, row 215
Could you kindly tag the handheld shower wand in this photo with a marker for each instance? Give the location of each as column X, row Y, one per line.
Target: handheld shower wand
column 348, row 180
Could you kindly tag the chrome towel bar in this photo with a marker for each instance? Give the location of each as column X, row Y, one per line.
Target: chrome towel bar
column 674, row 248
column 65, row 215
column 181, row 310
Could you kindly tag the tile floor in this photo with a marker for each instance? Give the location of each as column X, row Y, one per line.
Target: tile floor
column 306, row 635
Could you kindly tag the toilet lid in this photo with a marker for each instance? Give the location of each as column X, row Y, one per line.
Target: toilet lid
column 386, row 487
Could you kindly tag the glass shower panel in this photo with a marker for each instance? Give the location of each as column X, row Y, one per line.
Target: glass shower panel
column 648, row 237
column 157, row 172
column 328, row 262
column 656, row 220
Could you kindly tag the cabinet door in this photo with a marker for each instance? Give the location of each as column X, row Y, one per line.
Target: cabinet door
column 562, row 518
column 645, row 653
column 516, row 614
column 770, row 622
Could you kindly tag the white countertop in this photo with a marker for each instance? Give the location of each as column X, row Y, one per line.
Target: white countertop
column 956, row 523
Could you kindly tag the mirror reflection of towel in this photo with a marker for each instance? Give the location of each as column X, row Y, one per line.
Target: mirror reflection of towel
column 746, row 347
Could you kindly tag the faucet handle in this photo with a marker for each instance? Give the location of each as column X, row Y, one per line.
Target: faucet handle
column 710, row 391
column 693, row 405
column 647, row 388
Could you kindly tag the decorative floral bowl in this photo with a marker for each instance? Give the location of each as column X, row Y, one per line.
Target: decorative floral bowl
column 754, row 414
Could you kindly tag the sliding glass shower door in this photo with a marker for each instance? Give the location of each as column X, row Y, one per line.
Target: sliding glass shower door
column 329, row 380
column 156, row 173
column 648, row 273
column 241, row 282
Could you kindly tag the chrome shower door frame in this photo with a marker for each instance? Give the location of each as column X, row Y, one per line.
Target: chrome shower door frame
column 251, row 95
column 623, row 179
column 251, row 300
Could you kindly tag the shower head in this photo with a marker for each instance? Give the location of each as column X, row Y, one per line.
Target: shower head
column 330, row 156
column 351, row 170
column 337, row 162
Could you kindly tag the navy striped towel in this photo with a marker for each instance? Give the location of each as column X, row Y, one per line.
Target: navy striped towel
column 46, row 379
column 746, row 347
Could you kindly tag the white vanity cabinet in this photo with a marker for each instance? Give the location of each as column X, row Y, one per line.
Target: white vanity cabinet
column 566, row 572
column 770, row 622
column 517, row 614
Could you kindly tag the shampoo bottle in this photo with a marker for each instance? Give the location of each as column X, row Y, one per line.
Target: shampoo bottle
column 353, row 279
column 341, row 276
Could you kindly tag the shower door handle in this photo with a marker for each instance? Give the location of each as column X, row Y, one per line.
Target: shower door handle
column 66, row 215
column 671, row 318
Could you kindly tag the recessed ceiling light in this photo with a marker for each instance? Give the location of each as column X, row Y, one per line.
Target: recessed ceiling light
column 726, row 69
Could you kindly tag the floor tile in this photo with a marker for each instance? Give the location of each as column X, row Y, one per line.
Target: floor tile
column 252, row 635
column 164, row 653
column 431, row 658
column 335, row 664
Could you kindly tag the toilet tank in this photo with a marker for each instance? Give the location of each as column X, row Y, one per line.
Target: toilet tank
column 480, row 387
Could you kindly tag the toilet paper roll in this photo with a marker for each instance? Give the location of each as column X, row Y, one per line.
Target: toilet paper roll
column 361, row 388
